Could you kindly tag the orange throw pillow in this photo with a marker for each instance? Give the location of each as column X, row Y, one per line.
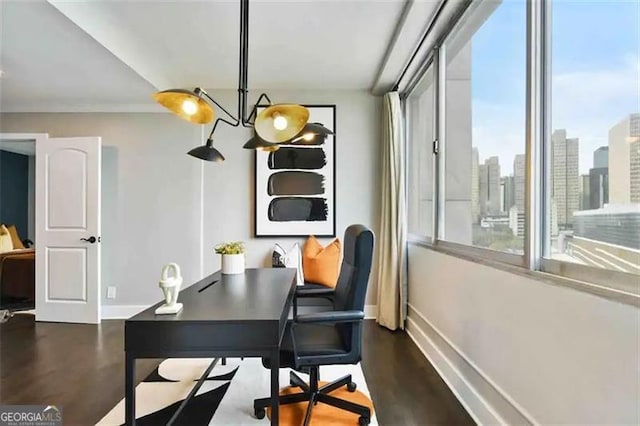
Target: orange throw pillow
column 321, row 265
column 15, row 239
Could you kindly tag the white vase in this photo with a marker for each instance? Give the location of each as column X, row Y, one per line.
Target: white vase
column 233, row 264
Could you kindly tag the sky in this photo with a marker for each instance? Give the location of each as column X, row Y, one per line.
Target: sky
column 595, row 75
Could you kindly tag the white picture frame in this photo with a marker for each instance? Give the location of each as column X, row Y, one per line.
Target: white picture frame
column 285, row 192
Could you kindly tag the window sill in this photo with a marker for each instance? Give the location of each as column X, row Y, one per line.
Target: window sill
column 473, row 252
column 547, row 278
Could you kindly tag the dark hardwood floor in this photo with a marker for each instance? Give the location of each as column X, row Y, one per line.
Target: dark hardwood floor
column 405, row 388
column 81, row 368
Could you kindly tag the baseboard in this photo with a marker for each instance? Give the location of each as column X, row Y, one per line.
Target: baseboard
column 127, row 311
column 483, row 399
column 121, row 311
column 370, row 311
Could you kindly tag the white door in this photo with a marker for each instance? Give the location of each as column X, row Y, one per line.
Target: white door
column 68, row 230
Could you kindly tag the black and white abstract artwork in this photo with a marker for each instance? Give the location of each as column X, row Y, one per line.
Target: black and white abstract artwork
column 295, row 185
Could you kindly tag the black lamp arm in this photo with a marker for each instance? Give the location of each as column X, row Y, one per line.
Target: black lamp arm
column 216, row 123
column 234, row 123
column 248, row 121
column 237, row 121
column 243, row 72
column 241, row 118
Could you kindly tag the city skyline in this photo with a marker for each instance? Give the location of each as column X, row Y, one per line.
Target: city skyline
column 581, row 58
column 573, row 194
column 594, row 162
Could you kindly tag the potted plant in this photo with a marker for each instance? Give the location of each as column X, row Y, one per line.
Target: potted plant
column 232, row 257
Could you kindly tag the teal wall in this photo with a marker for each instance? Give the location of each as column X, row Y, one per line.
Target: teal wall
column 14, row 191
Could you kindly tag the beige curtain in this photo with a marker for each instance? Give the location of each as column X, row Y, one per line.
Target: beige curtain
column 392, row 288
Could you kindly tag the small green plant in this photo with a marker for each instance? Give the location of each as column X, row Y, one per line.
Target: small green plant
column 233, row 247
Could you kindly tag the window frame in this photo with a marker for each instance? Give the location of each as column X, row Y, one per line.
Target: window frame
column 429, row 63
column 605, row 278
column 441, row 242
column 617, row 285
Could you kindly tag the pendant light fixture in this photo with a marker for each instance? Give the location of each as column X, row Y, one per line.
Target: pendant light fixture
column 280, row 123
column 207, row 152
column 256, row 142
column 275, row 124
column 186, row 104
column 310, row 133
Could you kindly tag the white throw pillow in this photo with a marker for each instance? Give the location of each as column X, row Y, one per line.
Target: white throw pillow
column 6, row 244
column 291, row 258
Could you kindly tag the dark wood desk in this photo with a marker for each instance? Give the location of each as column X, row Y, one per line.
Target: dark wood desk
column 222, row 316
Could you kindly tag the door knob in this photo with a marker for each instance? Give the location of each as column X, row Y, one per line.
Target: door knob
column 91, row 239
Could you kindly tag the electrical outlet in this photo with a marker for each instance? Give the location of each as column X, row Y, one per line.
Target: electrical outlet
column 111, row 292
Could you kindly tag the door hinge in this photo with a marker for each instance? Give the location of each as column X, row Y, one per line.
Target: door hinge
column 436, row 146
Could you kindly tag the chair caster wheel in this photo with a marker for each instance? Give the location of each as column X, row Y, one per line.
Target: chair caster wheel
column 351, row 387
column 364, row 421
column 260, row 413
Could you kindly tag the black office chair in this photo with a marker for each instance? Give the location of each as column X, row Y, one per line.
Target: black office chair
column 331, row 337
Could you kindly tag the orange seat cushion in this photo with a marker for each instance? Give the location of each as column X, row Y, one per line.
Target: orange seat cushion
column 321, row 265
column 322, row 414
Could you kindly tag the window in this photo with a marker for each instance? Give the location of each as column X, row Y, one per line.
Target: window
column 594, row 157
column 557, row 79
column 420, row 108
column 484, row 141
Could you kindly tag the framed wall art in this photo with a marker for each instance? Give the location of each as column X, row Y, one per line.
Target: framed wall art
column 295, row 185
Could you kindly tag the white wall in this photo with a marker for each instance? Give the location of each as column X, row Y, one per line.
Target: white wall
column 150, row 195
column 229, row 214
column 517, row 350
column 161, row 205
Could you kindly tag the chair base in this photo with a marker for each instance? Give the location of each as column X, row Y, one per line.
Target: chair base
column 314, row 394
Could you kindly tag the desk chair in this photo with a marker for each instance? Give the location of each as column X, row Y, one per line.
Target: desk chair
column 331, row 337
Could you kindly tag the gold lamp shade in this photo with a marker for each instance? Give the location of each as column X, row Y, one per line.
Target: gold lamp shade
column 281, row 122
column 186, row 104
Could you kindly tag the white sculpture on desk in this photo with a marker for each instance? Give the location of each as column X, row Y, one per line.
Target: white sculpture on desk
column 170, row 286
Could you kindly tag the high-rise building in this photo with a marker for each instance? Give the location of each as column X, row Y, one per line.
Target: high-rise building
column 516, row 221
column 475, row 186
column 483, row 189
column 516, row 213
column 493, row 169
column 519, row 178
column 502, row 194
column 604, row 226
column 489, row 186
column 598, row 187
column 634, row 160
column 599, row 179
column 554, row 218
column 565, row 182
column 624, row 161
column 585, row 192
column 508, row 193
column 601, row 157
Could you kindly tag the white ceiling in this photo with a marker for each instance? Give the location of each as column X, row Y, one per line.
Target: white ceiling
column 47, row 59
column 60, row 55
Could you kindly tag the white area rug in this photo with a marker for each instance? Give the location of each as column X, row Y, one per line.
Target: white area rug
column 226, row 398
